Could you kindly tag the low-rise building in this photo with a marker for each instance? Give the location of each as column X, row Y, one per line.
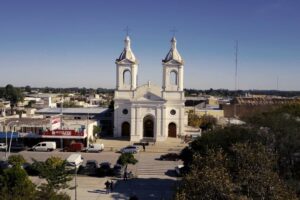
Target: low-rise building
column 33, row 130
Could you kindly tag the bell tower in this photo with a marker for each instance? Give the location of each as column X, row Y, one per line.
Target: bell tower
column 127, row 68
column 173, row 69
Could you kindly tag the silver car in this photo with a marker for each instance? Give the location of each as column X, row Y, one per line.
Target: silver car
column 130, row 149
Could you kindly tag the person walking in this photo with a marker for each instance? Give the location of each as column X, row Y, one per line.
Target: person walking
column 107, row 186
column 111, row 186
column 144, row 147
column 125, row 176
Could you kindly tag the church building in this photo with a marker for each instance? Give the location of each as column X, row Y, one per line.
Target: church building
column 149, row 112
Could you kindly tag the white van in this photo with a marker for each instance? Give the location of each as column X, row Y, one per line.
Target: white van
column 44, row 146
column 74, row 160
column 95, row 148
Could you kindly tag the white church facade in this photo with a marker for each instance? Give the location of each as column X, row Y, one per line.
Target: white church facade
column 149, row 112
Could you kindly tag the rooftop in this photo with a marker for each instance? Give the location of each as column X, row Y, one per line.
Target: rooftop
column 93, row 110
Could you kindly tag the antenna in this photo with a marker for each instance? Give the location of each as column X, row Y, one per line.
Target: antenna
column 236, row 73
column 236, row 65
column 174, row 31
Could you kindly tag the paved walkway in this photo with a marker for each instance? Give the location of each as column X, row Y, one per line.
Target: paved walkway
column 144, row 188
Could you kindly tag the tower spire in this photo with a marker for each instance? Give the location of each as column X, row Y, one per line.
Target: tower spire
column 127, row 52
column 173, row 54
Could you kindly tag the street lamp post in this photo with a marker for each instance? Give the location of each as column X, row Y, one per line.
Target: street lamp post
column 11, row 135
column 75, row 182
column 75, row 173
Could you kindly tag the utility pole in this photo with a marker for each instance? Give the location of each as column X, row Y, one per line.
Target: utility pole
column 235, row 76
column 61, row 120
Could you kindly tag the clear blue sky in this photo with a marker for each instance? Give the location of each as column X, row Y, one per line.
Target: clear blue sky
column 60, row 43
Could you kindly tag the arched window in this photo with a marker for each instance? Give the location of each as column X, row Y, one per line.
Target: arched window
column 127, row 77
column 173, row 78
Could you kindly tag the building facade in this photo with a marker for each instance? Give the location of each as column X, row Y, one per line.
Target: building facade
column 149, row 112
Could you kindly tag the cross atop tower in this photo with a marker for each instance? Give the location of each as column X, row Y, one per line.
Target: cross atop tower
column 174, row 31
column 127, row 30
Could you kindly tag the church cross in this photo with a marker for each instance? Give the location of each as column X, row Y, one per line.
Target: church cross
column 174, row 31
column 127, row 30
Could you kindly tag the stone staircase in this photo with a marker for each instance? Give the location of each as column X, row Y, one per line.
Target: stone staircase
column 155, row 169
column 170, row 145
column 151, row 167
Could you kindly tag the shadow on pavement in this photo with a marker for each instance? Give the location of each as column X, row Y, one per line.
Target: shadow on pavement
column 171, row 173
column 145, row 188
column 98, row 191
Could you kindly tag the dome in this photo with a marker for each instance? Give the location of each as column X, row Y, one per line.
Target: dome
column 173, row 53
column 127, row 52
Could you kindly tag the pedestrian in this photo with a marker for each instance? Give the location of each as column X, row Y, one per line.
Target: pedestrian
column 144, row 147
column 185, row 138
column 130, row 175
column 125, row 176
column 111, row 186
column 107, row 186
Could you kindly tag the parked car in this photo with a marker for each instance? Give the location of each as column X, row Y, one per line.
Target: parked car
column 74, row 147
column 130, row 149
column 105, row 169
column 90, row 167
column 3, row 146
column 118, row 170
column 17, row 147
column 95, row 148
column 44, row 146
column 170, row 157
column 74, row 161
column 4, row 164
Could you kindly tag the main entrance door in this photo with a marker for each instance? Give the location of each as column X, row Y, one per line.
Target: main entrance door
column 172, row 130
column 125, row 129
column 148, row 126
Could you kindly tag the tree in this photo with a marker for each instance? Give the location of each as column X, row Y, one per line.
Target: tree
column 15, row 185
column 282, row 127
column 220, row 139
column 96, row 130
column 247, row 172
column 28, row 89
column 208, row 179
column 125, row 159
column 14, row 95
column 16, row 160
column 54, row 171
column 46, row 192
column 193, row 119
column 252, row 169
column 254, row 155
column 207, row 122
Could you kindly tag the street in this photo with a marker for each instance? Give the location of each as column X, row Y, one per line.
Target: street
column 156, row 179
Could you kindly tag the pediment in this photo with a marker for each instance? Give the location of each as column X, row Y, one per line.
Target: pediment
column 148, row 92
column 149, row 96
